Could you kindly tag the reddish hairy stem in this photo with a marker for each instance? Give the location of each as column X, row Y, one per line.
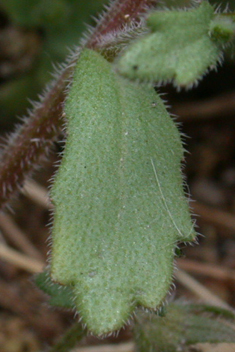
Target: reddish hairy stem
column 121, row 12
column 28, row 146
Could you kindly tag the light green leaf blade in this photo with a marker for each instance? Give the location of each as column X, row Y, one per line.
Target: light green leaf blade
column 60, row 296
column 183, row 325
column 119, row 202
column 179, row 47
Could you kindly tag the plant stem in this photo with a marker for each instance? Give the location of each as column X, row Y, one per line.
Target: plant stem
column 69, row 339
column 28, row 146
column 120, row 13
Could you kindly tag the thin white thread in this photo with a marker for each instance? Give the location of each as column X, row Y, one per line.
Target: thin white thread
column 164, row 200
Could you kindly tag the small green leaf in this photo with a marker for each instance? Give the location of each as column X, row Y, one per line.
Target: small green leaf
column 120, row 208
column 222, row 28
column 60, row 296
column 183, row 325
column 178, row 48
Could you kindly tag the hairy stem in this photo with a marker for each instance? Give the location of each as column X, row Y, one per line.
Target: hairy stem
column 28, row 146
column 121, row 13
column 69, row 339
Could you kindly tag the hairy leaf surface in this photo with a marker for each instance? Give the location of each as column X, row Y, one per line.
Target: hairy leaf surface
column 181, row 46
column 183, row 325
column 119, row 202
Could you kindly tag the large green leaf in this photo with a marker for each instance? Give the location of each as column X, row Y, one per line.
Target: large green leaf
column 119, row 203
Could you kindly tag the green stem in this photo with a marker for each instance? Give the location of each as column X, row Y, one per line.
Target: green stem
column 69, row 339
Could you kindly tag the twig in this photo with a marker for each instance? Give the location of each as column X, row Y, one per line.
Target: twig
column 217, row 107
column 37, row 194
column 199, row 290
column 206, row 269
column 20, row 260
column 17, row 236
column 211, row 347
column 121, row 347
column 215, row 216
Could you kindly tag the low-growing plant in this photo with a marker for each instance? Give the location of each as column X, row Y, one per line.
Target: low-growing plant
column 120, row 208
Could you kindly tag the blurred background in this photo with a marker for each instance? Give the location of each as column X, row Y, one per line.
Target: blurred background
column 35, row 35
